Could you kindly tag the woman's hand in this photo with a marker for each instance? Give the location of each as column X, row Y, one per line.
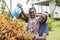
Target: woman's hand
column 43, row 37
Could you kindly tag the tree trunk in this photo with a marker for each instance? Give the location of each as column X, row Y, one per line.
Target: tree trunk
column 52, row 8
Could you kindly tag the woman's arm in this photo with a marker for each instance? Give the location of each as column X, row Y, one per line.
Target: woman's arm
column 43, row 37
column 45, row 32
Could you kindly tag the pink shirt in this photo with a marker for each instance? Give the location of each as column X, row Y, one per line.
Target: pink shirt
column 32, row 24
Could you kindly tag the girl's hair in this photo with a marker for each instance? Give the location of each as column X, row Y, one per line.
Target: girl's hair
column 32, row 8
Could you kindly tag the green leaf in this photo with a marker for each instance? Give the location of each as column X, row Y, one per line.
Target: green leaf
column 27, row 1
column 3, row 5
column 58, row 2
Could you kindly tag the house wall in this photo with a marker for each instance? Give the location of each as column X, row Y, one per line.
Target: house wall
column 55, row 9
column 40, row 8
column 58, row 12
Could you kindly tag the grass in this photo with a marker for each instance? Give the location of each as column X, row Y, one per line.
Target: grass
column 55, row 33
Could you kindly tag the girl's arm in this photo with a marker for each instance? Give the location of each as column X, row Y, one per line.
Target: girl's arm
column 24, row 15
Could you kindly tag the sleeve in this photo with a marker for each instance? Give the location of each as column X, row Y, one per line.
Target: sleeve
column 46, row 29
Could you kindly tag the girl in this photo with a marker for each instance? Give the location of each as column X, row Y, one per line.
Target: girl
column 33, row 25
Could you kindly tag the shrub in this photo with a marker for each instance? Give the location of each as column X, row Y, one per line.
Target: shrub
column 50, row 23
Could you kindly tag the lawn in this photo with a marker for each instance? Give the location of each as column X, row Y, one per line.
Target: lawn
column 55, row 33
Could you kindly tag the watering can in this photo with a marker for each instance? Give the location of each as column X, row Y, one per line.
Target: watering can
column 16, row 12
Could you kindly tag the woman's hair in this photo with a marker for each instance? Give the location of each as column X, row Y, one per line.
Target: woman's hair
column 32, row 8
column 49, row 15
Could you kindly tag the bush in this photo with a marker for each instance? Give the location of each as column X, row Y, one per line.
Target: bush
column 57, row 18
column 50, row 23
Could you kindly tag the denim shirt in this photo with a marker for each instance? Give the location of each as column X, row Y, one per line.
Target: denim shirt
column 43, row 29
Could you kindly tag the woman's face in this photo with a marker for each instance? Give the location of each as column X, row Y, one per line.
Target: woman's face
column 42, row 18
column 32, row 13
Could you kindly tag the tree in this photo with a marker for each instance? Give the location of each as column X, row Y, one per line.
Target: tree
column 3, row 6
column 53, row 8
column 27, row 1
column 58, row 2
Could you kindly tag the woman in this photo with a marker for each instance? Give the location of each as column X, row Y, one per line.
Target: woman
column 43, row 29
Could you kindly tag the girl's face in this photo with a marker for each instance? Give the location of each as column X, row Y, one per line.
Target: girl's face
column 32, row 13
column 42, row 18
